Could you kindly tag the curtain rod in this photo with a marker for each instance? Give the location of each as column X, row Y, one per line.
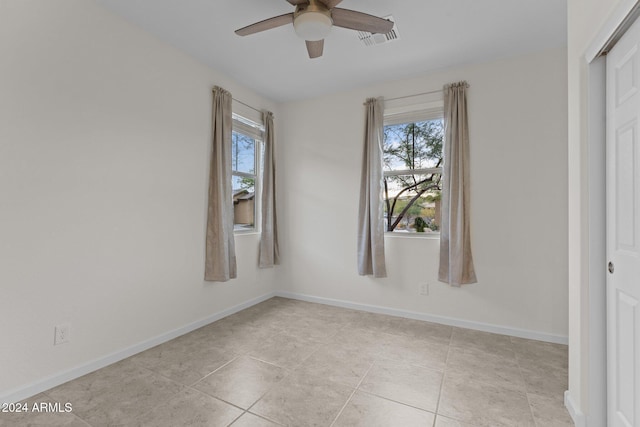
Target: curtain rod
column 415, row 94
column 411, row 96
column 247, row 105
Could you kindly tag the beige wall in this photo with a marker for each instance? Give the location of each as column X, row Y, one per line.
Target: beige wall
column 104, row 141
column 517, row 111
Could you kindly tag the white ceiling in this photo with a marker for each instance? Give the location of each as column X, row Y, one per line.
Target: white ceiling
column 434, row 34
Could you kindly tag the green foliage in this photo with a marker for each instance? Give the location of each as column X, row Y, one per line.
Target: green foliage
column 434, row 196
column 429, row 213
column 413, row 209
column 419, row 224
column 247, row 183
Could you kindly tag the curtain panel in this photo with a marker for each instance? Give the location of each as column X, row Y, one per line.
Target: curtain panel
column 371, row 259
column 456, row 261
column 269, row 249
column 220, row 258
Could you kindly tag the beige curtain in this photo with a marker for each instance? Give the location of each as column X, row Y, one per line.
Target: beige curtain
column 220, row 262
column 269, row 250
column 370, row 219
column 456, row 261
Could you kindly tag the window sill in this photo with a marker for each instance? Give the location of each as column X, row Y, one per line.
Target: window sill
column 246, row 233
column 401, row 235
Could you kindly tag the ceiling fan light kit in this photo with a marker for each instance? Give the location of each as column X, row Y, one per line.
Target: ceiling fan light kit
column 313, row 20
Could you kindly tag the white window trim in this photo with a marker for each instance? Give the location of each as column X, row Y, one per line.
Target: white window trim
column 427, row 235
column 425, row 171
column 418, row 108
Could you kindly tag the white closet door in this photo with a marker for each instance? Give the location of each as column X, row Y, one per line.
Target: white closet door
column 623, row 231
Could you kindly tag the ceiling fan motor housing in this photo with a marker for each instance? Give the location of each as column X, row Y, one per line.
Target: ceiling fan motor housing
column 312, row 21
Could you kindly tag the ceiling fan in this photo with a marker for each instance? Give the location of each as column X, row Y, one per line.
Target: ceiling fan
column 313, row 19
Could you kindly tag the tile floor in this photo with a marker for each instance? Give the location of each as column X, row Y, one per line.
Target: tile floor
column 293, row 363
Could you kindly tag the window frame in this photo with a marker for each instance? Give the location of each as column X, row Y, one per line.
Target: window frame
column 404, row 111
column 249, row 128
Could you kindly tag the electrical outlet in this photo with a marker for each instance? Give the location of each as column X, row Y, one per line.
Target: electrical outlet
column 424, row 289
column 61, row 334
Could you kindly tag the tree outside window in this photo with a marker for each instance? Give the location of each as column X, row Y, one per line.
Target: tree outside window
column 412, row 156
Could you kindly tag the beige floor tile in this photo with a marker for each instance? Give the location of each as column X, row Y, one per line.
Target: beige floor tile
column 373, row 322
column 250, row 420
column 339, row 315
column 406, row 350
column 309, row 327
column 259, row 317
column 358, row 340
column 309, row 309
column 497, row 345
column 549, row 412
column 479, row 366
column 185, row 360
column 241, row 382
column 417, row 329
column 483, row 404
column 290, row 310
column 449, row 422
column 116, row 394
column 301, row 400
column 30, row 412
column 543, row 365
column 545, row 380
column 297, row 363
column 235, row 338
column 284, row 350
column 339, row 363
column 408, row 384
column 364, row 410
column 538, row 352
column 190, row 408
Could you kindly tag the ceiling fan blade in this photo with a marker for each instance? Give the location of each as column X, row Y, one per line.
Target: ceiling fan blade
column 267, row 24
column 330, row 3
column 315, row 48
column 353, row 20
column 297, row 2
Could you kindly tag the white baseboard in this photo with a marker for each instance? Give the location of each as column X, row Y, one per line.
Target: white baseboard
column 54, row 380
column 576, row 414
column 479, row 326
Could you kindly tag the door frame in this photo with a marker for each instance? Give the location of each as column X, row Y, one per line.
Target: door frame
column 593, row 176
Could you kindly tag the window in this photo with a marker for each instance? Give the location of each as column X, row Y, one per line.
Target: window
column 246, row 155
column 412, row 155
